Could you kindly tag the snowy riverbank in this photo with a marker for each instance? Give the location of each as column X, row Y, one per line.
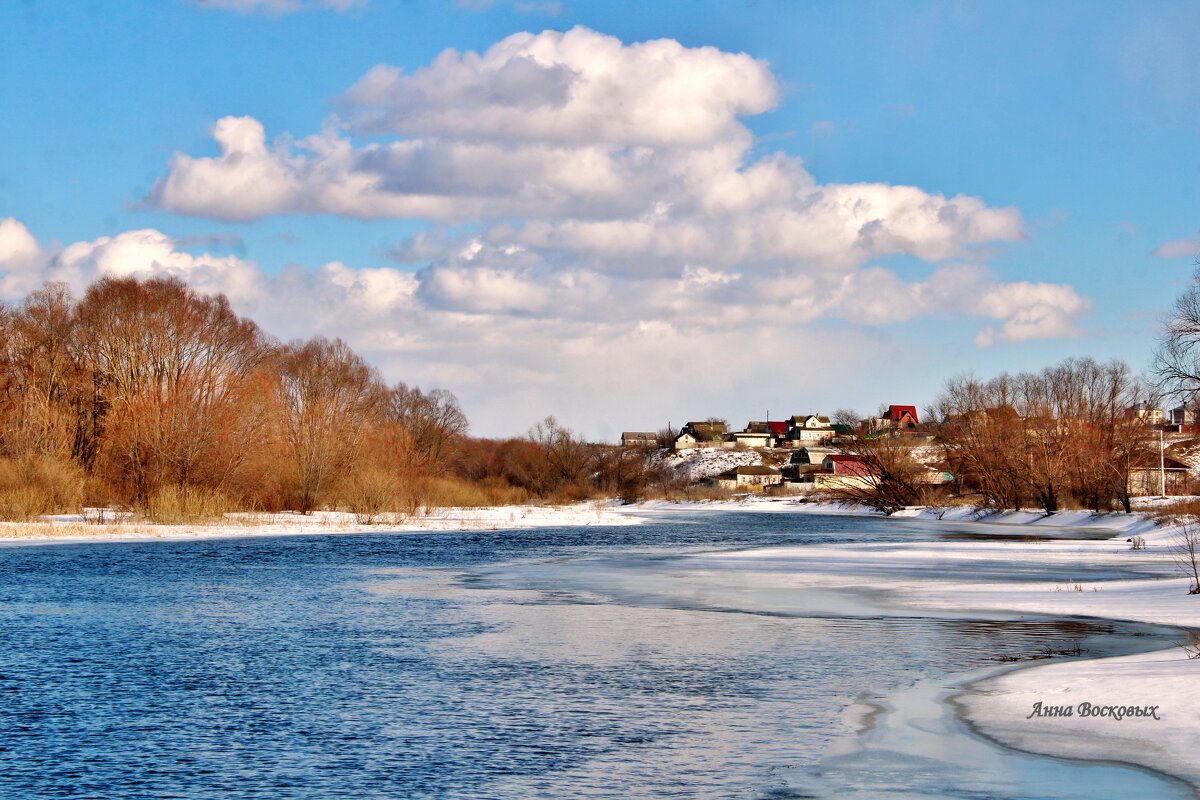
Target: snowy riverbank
column 75, row 528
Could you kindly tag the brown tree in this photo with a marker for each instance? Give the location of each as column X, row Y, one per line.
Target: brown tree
column 170, row 371
column 329, row 399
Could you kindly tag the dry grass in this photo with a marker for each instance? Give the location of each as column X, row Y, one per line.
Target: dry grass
column 1184, row 507
column 37, row 485
column 370, row 493
column 457, row 493
column 184, row 505
column 690, row 492
column 378, row 495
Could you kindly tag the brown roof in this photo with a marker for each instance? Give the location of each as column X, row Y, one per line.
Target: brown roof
column 756, row 470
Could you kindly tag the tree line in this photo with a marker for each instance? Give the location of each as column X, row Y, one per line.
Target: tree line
column 150, row 396
column 1067, row 435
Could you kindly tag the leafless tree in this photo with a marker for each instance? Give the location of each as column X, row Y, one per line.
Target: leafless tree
column 433, row 426
column 1177, row 361
column 1186, row 550
column 329, row 399
column 848, row 417
column 891, row 478
column 170, row 373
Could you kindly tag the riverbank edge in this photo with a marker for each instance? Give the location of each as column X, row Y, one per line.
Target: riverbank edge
column 74, row 528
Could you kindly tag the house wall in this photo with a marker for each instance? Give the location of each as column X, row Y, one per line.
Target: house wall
column 1147, row 482
column 812, row 434
column 753, row 439
column 823, row 480
column 755, row 483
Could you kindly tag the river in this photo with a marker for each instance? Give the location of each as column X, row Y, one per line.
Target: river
column 559, row 662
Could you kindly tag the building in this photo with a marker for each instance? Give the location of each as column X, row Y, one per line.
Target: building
column 809, row 429
column 759, row 434
column 639, row 439
column 896, row 418
column 1149, row 415
column 748, row 478
column 1148, row 479
column 1180, row 420
column 843, row 472
column 701, row 434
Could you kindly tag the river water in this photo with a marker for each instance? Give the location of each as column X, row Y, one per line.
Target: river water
column 550, row 663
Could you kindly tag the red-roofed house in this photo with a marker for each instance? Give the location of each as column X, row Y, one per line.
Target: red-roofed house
column 895, row 418
column 842, row 471
column 845, row 465
column 902, row 416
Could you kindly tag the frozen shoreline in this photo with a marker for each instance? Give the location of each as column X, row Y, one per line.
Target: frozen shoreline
column 982, row 576
column 74, row 530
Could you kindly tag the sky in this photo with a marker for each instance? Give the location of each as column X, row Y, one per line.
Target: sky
column 622, row 214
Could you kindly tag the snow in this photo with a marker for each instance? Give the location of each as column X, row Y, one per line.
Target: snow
column 1166, row 681
column 976, row 579
column 705, row 462
column 77, row 528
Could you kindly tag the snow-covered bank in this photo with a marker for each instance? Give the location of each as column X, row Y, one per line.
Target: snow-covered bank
column 1139, row 709
column 69, row 529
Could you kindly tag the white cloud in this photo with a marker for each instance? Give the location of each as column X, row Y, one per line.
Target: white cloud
column 1178, row 248
column 1030, row 311
column 617, row 220
column 518, row 337
column 575, row 87
column 141, row 253
column 599, row 149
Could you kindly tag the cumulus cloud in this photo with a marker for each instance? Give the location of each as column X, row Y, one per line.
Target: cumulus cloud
column 578, row 86
column 517, row 336
column 1178, row 248
column 25, row 264
column 595, row 203
column 599, row 149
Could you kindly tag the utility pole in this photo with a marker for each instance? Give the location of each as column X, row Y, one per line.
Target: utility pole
column 1162, row 464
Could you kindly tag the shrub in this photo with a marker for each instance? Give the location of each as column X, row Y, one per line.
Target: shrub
column 37, row 485
column 371, row 492
column 179, row 505
column 449, row 492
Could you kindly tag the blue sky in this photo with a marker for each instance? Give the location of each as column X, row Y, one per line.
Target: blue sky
column 1082, row 119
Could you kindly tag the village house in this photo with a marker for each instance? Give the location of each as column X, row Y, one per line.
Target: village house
column 1180, row 419
column 1150, row 416
column 842, row 472
column 759, row 434
column 812, row 454
column 701, row 434
column 809, row 428
column 1154, row 478
column 639, row 439
column 895, row 418
column 748, row 478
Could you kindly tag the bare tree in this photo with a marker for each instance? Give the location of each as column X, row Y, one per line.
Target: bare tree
column 40, row 380
column 171, row 371
column 1186, row 550
column 329, row 399
column 1176, row 363
column 433, row 425
column 889, row 477
column 848, row 417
